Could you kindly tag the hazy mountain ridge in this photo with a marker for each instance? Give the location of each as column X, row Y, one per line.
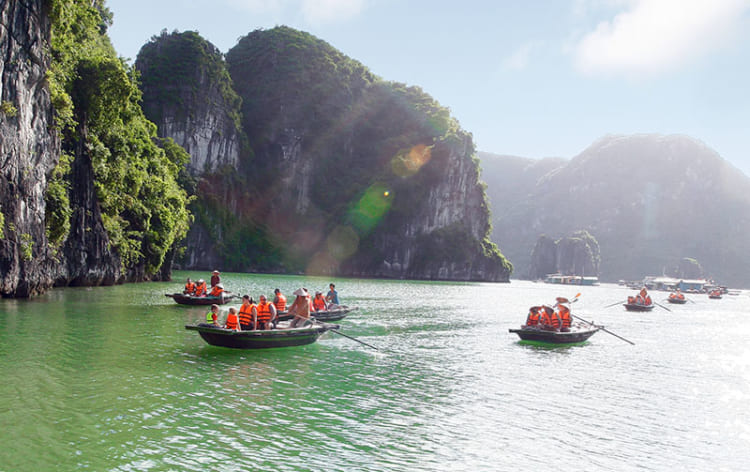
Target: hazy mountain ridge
column 648, row 199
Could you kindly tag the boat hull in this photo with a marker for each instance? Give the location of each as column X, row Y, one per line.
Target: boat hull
column 678, row 301
column 183, row 299
column 554, row 337
column 260, row 339
column 326, row 315
column 637, row 307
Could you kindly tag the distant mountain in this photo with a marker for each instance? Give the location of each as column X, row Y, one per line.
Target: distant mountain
column 649, row 200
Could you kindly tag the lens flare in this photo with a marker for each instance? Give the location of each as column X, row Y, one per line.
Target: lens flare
column 371, row 208
column 407, row 162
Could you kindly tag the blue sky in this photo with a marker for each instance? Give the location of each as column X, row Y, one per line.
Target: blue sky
column 531, row 78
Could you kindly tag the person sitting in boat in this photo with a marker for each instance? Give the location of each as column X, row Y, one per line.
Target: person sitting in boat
column 643, row 298
column 189, row 287
column 300, row 308
column 319, row 303
column 212, row 317
column 279, row 300
column 563, row 313
column 532, row 319
column 200, row 288
column 215, row 279
column 232, row 321
column 263, row 313
column 332, row 297
column 246, row 313
column 550, row 320
column 216, row 291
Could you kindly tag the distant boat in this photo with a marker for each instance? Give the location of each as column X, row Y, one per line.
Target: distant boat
column 335, row 314
column 571, row 279
column 638, row 307
column 183, row 299
column 676, row 297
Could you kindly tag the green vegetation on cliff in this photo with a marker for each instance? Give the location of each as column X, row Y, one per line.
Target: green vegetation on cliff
column 96, row 101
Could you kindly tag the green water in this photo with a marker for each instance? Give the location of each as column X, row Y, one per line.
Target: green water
column 108, row 379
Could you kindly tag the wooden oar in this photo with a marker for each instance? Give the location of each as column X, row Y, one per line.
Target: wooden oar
column 617, row 303
column 659, row 304
column 347, row 336
column 604, row 329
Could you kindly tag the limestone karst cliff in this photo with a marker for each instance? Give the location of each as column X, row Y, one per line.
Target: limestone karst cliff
column 28, row 148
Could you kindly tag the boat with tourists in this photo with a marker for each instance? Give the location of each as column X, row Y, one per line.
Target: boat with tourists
column 184, row 299
column 638, row 306
column 677, row 298
column 261, row 339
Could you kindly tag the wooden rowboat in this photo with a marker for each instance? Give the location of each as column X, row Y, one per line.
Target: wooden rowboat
column 324, row 315
column 536, row 335
column 679, row 301
column 262, row 339
column 183, row 299
column 638, row 307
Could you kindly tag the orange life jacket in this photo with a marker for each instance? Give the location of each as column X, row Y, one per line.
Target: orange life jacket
column 232, row 321
column 190, row 287
column 264, row 312
column 246, row 314
column 533, row 318
column 200, row 289
column 564, row 315
column 280, row 302
column 550, row 318
column 319, row 303
column 216, row 291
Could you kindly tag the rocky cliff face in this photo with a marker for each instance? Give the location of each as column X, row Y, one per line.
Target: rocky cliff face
column 649, row 200
column 28, row 149
column 188, row 94
column 571, row 255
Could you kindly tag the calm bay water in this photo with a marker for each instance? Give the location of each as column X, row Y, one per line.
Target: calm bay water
column 108, row 379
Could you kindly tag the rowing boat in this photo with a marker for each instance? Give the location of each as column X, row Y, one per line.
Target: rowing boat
column 638, row 307
column 183, row 299
column 335, row 314
column 262, row 339
column 536, row 335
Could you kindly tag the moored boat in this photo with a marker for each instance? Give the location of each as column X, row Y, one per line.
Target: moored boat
column 638, row 307
column 262, row 339
column 183, row 299
column 533, row 334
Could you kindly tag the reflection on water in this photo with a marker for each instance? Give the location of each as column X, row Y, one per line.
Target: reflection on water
column 109, row 379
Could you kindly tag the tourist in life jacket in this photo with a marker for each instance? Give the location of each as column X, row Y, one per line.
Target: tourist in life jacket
column 216, row 290
column 279, row 300
column 263, row 313
column 215, row 279
column 550, row 319
column 232, row 321
column 189, row 287
column 532, row 319
column 212, row 317
column 563, row 313
column 200, row 288
column 246, row 313
column 643, row 298
column 677, row 295
column 319, row 303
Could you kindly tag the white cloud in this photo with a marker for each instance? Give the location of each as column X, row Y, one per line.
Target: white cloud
column 519, row 59
column 331, row 11
column 654, row 36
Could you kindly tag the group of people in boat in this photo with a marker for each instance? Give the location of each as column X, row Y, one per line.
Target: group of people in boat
column 550, row 318
column 199, row 288
column 264, row 314
column 643, row 298
column 677, row 295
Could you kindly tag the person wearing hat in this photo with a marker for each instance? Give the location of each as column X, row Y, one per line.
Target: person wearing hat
column 215, row 279
column 200, row 288
column 216, row 290
column 563, row 313
column 300, row 308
